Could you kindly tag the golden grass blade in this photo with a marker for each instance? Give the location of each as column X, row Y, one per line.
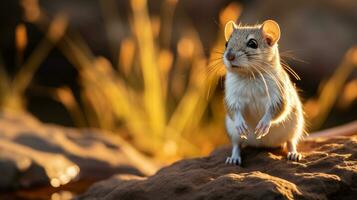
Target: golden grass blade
column 191, row 106
column 90, row 107
column 119, row 98
column 126, row 56
column 231, row 12
column 20, row 42
column 165, row 62
column 21, row 37
column 66, row 97
column 153, row 94
column 195, row 100
column 26, row 72
column 349, row 94
column 55, row 32
column 318, row 110
column 32, row 11
column 167, row 14
column 4, row 84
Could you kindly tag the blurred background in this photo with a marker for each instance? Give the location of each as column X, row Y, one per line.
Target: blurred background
column 150, row 71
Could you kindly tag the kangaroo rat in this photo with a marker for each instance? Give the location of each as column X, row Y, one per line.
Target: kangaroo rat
column 263, row 107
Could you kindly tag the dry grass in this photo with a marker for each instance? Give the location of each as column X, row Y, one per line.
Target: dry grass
column 318, row 108
column 12, row 91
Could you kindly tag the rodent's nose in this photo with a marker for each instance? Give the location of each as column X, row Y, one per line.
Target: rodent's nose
column 230, row 56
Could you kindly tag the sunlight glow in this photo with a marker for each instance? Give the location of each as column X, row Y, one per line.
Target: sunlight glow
column 32, row 10
column 185, row 48
column 62, row 195
column 21, row 37
column 231, row 12
column 55, row 182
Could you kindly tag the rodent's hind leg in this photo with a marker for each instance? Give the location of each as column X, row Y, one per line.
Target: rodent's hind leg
column 292, row 152
column 235, row 135
column 235, row 158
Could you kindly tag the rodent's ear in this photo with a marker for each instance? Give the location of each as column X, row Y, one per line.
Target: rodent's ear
column 271, row 31
column 228, row 30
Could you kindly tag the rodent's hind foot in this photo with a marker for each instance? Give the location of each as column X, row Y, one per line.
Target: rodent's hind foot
column 294, row 156
column 234, row 160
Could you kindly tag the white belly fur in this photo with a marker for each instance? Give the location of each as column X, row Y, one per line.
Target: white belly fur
column 253, row 99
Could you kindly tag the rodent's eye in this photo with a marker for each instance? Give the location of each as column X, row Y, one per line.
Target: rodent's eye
column 252, row 43
column 226, row 44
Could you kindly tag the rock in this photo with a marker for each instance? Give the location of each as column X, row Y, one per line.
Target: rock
column 37, row 154
column 328, row 170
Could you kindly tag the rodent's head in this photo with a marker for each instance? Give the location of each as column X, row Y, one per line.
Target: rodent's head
column 250, row 47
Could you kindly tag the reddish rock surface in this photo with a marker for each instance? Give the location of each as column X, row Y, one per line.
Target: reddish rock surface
column 327, row 171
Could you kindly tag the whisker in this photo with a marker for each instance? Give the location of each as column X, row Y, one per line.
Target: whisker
column 221, row 53
column 287, row 54
column 290, row 70
column 252, row 74
column 214, row 68
column 253, row 54
column 215, row 51
column 287, row 68
column 218, row 50
column 276, row 81
column 214, row 59
column 265, row 84
column 274, row 78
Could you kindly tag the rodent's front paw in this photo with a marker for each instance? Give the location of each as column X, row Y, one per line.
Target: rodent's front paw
column 262, row 128
column 241, row 127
